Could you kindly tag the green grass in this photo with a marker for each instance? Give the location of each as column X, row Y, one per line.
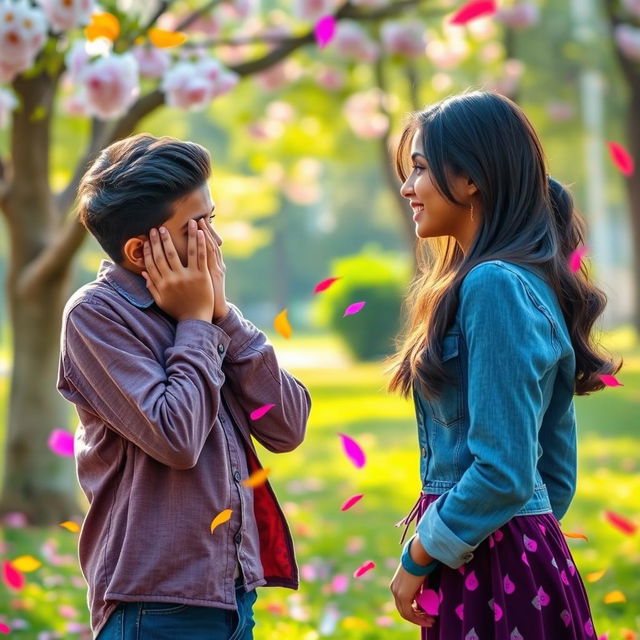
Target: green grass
column 313, row 481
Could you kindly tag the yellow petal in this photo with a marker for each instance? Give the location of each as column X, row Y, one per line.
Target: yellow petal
column 26, row 563
column 594, row 576
column 256, row 478
column 72, row 526
column 574, row 535
column 614, row 596
column 165, row 39
column 221, row 518
column 282, row 324
column 103, row 25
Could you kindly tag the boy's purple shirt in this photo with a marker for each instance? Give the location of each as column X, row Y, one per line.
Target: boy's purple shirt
column 163, row 443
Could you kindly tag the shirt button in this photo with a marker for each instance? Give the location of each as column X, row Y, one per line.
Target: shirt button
column 467, row 557
column 236, row 476
column 238, row 537
column 220, row 348
column 424, row 452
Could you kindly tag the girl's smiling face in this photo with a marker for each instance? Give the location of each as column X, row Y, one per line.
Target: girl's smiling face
column 433, row 213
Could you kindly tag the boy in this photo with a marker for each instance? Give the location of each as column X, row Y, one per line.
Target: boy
column 164, row 373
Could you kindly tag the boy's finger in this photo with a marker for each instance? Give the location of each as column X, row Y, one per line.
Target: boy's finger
column 170, row 251
column 202, row 251
column 158, row 254
column 149, row 262
column 192, row 247
column 151, row 286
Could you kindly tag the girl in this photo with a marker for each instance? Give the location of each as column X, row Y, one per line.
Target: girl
column 496, row 343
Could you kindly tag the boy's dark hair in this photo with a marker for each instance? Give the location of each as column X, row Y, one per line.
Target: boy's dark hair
column 134, row 183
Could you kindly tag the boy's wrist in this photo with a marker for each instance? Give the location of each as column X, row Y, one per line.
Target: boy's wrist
column 223, row 315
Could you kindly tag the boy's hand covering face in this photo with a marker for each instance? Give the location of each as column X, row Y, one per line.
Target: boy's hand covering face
column 217, row 270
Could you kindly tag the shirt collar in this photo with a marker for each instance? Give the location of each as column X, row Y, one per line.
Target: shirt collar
column 128, row 284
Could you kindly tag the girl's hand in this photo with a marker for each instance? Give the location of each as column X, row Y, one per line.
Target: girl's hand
column 404, row 587
column 217, row 270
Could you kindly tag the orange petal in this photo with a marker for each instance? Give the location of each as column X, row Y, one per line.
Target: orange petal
column 614, row 596
column 165, row 39
column 257, row 478
column 281, row 323
column 594, row 576
column 26, row 563
column 72, row 526
column 567, row 534
column 221, row 518
column 103, row 25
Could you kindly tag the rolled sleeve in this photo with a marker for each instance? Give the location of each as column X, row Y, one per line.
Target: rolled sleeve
column 511, row 352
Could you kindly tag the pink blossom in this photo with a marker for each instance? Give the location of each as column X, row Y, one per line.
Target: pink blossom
column 76, row 59
column 111, row 83
column 519, row 16
column 370, row 4
column 279, row 75
column 560, row 111
column 632, row 6
column 312, row 10
column 446, row 54
column 331, row 78
column 64, row 15
column 628, row 40
column 404, row 38
column 8, row 103
column 152, row 62
column 245, row 8
column 208, row 25
column 363, row 115
column 351, row 41
column 509, row 81
column 23, row 30
column 76, row 105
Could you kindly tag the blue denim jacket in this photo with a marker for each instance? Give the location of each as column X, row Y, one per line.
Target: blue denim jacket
column 502, row 442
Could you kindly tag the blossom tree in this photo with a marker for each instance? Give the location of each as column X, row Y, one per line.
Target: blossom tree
column 113, row 65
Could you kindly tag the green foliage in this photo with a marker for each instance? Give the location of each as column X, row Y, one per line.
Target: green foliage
column 376, row 278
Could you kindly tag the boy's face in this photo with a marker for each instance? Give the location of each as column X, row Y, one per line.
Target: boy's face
column 197, row 204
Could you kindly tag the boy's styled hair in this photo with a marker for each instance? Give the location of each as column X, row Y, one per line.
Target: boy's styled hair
column 133, row 184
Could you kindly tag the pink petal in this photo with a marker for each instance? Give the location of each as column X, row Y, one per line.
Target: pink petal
column 524, row 558
column 460, row 611
column 61, row 442
column 4, row 628
column 351, row 501
column 610, row 381
column 324, row 284
column 324, row 30
column 353, row 451
column 429, row 601
column 340, row 583
column 353, row 308
column 620, row 522
column 473, row 10
column 363, row 568
column 508, row 585
column 258, row 413
column 12, row 577
column 621, row 158
column 575, row 259
column 471, row 582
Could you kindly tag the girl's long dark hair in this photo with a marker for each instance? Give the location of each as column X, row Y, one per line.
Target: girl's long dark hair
column 527, row 218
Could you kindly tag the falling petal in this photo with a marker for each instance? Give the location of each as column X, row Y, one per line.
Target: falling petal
column 325, row 284
column 610, row 381
column 621, row 158
column 620, row 522
column 353, row 308
column 221, row 518
column 11, row 576
column 26, row 564
column 258, row 413
column 103, row 25
column 324, row 30
column 165, row 39
column 614, row 596
column 594, row 576
column 257, row 478
column 351, row 501
column 363, row 568
column 471, row 582
column 575, row 259
column 61, row 442
column 71, row 526
column 473, row 10
column 4, row 628
column 428, row 600
column 353, row 451
column 281, row 323
column 572, row 534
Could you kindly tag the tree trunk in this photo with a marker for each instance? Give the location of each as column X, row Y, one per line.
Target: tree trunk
column 36, row 481
column 633, row 191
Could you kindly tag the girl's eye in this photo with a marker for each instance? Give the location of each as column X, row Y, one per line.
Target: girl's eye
column 417, row 168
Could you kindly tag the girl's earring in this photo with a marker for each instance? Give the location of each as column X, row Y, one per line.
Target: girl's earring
column 472, row 211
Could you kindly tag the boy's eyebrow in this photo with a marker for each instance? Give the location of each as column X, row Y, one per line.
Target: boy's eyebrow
column 204, row 215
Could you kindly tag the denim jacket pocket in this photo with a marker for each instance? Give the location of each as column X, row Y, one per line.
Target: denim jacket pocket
column 448, row 408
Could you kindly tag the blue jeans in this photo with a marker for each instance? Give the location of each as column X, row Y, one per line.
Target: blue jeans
column 170, row 620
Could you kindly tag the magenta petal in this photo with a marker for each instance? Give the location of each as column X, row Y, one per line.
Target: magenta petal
column 353, row 308
column 351, row 501
column 622, row 159
column 429, row 601
column 324, row 284
column 472, row 10
column 61, row 442
column 258, row 413
column 353, row 450
column 363, row 568
column 575, row 259
column 324, row 30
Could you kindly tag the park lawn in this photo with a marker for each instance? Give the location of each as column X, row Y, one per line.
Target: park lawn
column 313, row 481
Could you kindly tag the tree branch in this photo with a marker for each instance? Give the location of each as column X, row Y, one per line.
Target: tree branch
column 628, row 68
column 5, row 182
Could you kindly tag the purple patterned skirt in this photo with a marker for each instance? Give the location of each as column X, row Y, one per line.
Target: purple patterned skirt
column 521, row 584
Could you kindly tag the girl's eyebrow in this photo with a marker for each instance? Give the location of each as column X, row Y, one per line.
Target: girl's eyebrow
column 417, row 155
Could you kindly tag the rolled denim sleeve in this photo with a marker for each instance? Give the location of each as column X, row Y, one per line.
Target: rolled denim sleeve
column 511, row 351
column 252, row 371
column 166, row 408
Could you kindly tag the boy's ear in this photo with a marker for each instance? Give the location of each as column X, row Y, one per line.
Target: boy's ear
column 133, row 250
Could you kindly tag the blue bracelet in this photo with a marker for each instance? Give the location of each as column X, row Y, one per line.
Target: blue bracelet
column 412, row 567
